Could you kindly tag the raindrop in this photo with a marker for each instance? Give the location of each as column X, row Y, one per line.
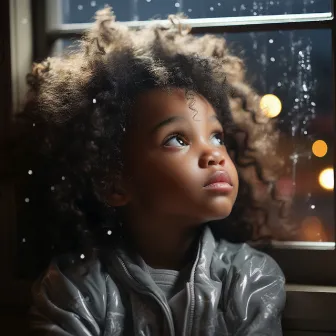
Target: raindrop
column 109, row 232
column 272, row 59
column 279, row 84
column 305, row 132
column 211, row 8
column 94, row 101
column 23, row 240
column 82, row 256
column 189, row 10
column 304, row 87
column 305, row 96
column 177, row 5
column 254, row 13
column 271, row 41
column 219, row 4
column 313, row 104
column 301, row 53
column 30, row 172
column 234, row 9
column 93, row 3
column 52, row 188
column 80, row 7
column 312, row 206
column 148, row 0
column 63, row 178
column 33, row 125
column 27, row 200
column 271, row 3
column 296, row 99
column 242, row 7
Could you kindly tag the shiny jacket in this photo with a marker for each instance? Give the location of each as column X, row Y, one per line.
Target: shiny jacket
column 233, row 290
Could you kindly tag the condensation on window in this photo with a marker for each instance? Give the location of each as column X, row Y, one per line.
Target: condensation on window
column 79, row 11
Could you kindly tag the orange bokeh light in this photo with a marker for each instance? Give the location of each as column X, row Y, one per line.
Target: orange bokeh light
column 319, row 148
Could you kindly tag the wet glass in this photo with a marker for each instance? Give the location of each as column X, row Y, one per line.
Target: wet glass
column 81, row 11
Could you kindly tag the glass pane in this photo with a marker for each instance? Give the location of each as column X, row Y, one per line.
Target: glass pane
column 296, row 67
column 80, row 11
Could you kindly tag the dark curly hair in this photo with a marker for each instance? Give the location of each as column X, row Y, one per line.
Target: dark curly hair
column 66, row 142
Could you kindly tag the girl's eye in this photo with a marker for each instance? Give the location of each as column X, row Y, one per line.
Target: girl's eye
column 175, row 141
column 218, row 139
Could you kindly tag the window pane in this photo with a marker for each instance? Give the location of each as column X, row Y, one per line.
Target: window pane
column 296, row 67
column 80, row 11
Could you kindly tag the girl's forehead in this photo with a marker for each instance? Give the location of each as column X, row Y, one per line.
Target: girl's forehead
column 159, row 103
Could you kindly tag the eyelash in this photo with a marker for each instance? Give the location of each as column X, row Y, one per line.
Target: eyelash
column 220, row 134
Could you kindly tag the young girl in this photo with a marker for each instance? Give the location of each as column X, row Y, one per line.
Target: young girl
column 129, row 165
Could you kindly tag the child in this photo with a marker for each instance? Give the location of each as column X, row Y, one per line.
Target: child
column 134, row 134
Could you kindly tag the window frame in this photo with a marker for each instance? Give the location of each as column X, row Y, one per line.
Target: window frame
column 311, row 299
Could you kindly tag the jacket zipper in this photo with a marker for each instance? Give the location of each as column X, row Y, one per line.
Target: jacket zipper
column 164, row 307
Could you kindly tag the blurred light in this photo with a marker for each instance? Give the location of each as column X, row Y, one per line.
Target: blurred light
column 326, row 178
column 320, row 148
column 270, row 105
column 312, row 229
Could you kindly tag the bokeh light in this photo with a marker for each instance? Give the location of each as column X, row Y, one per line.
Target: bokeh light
column 326, row 179
column 319, row 148
column 270, row 105
column 312, row 229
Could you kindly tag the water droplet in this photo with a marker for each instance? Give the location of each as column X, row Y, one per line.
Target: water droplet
column 27, row 200
column 148, row 0
column 63, row 178
column 94, row 101
column 271, row 3
column 177, row 5
column 305, row 96
column 242, row 7
column 211, row 8
column 109, row 232
column 272, row 59
column 219, row 4
column 304, row 87
column 33, row 125
column 52, row 188
column 270, row 40
column 30, row 172
column 23, row 240
column 301, row 53
column 80, row 7
column 279, row 84
column 312, row 206
column 234, row 9
column 93, row 3
column 254, row 13
column 313, row 104
column 82, row 256
column 296, row 99
column 189, row 10
column 305, row 132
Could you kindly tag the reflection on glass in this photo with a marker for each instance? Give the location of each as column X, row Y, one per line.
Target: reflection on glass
column 296, row 67
column 79, row 11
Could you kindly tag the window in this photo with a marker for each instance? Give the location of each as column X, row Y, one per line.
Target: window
column 288, row 47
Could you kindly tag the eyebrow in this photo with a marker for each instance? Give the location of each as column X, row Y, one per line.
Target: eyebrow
column 174, row 119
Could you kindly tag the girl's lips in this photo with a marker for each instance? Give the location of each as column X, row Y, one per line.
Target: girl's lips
column 219, row 186
column 219, row 178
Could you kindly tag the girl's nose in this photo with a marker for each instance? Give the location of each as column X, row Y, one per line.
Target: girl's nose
column 212, row 157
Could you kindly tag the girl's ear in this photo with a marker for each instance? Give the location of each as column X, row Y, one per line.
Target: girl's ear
column 118, row 196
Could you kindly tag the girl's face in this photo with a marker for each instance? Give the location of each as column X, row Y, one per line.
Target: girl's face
column 176, row 164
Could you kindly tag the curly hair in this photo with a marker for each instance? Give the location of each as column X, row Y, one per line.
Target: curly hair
column 67, row 140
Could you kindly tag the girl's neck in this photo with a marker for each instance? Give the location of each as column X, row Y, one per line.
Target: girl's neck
column 164, row 245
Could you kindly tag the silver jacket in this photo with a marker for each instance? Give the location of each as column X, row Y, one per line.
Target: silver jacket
column 233, row 290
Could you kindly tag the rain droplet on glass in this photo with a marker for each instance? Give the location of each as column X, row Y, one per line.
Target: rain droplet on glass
column 109, row 232
column 254, row 13
column 301, row 53
column 305, row 96
column 30, row 172
column 23, row 240
column 296, row 100
column 242, row 7
column 272, row 59
column 312, row 206
column 219, row 4
column 94, row 101
column 63, row 178
column 80, row 7
column 189, row 10
column 270, row 40
column 177, row 5
column 82, row 256
column 211, row 8
column 93, row 3
column 52, row 188
column 305, row 132
column 279, row 84
column 33, row 125
column 234, row 9
column 304, row 87
column 148, row 0
column 271, row 3
column 313, row 104
column 27, row 200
